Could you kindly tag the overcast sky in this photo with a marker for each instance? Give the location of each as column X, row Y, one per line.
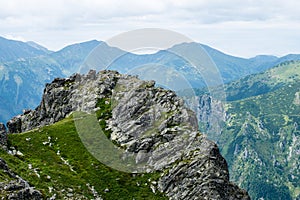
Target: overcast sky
column 238, row 27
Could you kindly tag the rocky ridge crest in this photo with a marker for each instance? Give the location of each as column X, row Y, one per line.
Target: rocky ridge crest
column 144, row 120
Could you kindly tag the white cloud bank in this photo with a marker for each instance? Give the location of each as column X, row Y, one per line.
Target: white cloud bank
column 239, row 27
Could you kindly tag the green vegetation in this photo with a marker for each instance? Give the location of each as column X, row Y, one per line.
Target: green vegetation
column 104, row 113
column 261, row 137
column 56, row 162
column 261, row 142
column 270, row 80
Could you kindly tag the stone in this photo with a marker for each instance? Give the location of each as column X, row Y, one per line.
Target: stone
column 106, row 190
column 19, row 153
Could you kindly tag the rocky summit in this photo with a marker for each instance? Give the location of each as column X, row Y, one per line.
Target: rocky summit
column 149, row 124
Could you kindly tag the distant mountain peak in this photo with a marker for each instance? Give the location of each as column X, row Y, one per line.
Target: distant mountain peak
column 38, row 46
column 11, row 50
column 265, row 57
column 85, row 44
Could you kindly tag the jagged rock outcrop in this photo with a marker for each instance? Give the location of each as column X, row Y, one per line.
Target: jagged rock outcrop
column 151, row 123
column 3, row 135
column 16, row 188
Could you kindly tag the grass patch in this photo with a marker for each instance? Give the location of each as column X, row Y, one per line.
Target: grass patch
column 60, row 161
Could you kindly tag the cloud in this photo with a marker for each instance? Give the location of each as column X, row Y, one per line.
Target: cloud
column 12, row 37
column 213, row 11
column 59, row 22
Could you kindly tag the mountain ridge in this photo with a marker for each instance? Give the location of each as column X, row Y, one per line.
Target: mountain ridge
column 68, row 60
column 142, row 120
column 13, row 50
column 264, row 82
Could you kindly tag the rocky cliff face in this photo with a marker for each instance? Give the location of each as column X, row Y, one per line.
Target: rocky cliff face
column 211, row 114
column 151, row 123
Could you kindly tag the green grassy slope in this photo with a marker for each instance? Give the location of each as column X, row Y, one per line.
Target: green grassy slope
column 261, row 142
column 56, row 162
column 270, row 80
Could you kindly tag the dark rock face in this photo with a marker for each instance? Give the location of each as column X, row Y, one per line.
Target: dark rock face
column 17, row 188
column 145, row 120
column 202, row 177
column 212, row 112
column 60, row 98
column 55, row 98
column 3, row 136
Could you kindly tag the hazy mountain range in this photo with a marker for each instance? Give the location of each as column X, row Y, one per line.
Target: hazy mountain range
column 26, row 67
